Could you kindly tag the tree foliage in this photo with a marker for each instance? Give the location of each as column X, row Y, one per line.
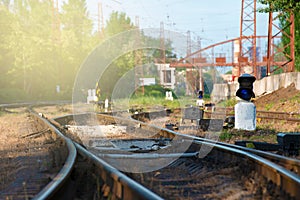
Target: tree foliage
column 40, row 49
column 117, row 23
column 282, row 5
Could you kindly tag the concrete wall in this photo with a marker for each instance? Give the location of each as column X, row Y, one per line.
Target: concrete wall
column 223, row 91
column 260, row 87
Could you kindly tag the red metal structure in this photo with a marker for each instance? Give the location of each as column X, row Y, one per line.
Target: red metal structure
column 275, row 52
column 247, row 41
column 244, row 53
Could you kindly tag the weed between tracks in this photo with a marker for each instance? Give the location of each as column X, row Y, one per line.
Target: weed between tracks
column 261, row 135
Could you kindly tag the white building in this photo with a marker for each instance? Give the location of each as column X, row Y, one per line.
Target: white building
column 166, row 75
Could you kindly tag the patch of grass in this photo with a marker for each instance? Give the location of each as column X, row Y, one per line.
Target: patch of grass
column 282, row 100
column 265, row 126
column 269, row 106
column 149, row 102
column 225, row 136
column 250, row 145
column 262, row 138
column 296, row 100
column 228, row 103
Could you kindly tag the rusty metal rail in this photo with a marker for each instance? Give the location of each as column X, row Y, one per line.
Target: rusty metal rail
column 282, row 170
column 54, row 186
column 120, row 185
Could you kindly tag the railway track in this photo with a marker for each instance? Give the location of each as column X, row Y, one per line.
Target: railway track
column 79, row 174
column 185, row 174
column 85, row 176
column 278, row 172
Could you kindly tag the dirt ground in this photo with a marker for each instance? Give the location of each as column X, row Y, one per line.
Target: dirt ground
column 282, row 100
column 12, row 127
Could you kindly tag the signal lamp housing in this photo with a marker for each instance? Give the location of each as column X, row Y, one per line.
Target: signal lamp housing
column 245, row 90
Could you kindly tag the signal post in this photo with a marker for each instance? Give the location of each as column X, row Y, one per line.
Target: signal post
column 245, row 110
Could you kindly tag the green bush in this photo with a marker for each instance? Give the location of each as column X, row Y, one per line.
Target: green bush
column 155, row 93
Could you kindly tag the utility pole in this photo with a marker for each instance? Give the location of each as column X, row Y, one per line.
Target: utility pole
column 55, row 22
column 56, row 42
column 188, row 46
column 162, row 43
column 100, row 21
column 201, row 84
column 139, row 73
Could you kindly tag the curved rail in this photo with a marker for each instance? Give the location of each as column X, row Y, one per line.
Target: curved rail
column 58, row 181
column 282, row 177
column 128, row 189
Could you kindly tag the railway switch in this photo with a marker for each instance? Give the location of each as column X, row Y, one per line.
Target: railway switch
column 289, row 143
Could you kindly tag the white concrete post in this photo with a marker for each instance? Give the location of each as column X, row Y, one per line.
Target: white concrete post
column 106, row 104
column 245, row 116
column 88, row 99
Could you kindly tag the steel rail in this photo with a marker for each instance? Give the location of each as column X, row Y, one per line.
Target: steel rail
column 130, row 189
column 289, row 163
column 127, row 188
column 282, row 177
column 58, row 181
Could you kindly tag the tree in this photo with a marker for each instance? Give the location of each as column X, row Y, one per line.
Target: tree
column 282, row 5
column 27, row 42
column 77, row 40
column 117, row 23
column 38, row 52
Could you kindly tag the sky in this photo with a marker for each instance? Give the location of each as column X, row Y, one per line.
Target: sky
column 211, row 20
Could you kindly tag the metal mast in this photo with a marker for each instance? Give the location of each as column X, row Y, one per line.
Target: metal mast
column 247, row 41
column 275, row 52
